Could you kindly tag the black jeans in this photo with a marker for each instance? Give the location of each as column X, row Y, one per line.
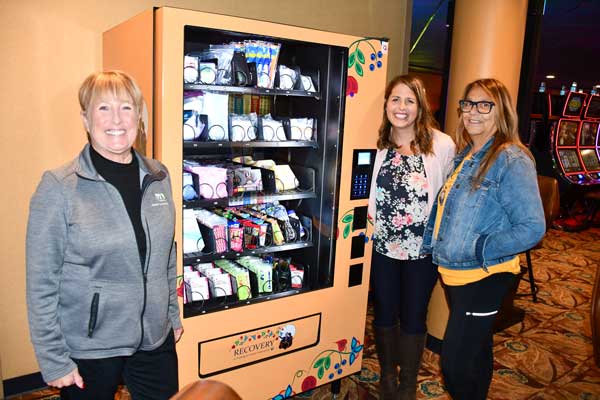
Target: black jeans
column 401, row 290
column 467, row 350
column 147, row 374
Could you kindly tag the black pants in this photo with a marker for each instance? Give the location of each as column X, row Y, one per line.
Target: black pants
column 147, row 374
column 401, row 290
column 467, row 350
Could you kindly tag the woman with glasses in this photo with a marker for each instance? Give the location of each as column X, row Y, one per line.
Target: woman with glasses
column 411, row 165
column 487, row 212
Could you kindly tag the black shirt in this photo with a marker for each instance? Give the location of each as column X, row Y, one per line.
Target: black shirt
column 126, row 178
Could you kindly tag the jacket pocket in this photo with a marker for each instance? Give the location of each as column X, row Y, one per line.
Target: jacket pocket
column 156, row 315
column 103, row 319
column 93, row 314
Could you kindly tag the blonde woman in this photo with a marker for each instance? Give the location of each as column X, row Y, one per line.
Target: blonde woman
column 101, row 272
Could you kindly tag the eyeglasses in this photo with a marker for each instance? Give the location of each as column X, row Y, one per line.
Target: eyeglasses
column 482, row 107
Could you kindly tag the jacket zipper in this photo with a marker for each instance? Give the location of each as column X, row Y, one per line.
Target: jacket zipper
column 148, row 179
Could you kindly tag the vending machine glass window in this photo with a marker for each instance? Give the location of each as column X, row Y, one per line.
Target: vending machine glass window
column 567, row 132
column 258, row 157
column 590, row 159
column 569, row 160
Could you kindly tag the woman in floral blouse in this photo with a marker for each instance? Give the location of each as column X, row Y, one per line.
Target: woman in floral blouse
column 411, row 165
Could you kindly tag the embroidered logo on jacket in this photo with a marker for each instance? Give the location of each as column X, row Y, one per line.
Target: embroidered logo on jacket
column 160, row 200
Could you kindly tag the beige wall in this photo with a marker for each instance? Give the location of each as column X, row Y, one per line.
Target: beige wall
column 49, row 46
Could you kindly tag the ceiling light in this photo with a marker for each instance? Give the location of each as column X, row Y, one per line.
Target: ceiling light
column 550, row 76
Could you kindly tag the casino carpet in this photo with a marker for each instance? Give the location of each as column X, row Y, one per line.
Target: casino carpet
column 547, row 356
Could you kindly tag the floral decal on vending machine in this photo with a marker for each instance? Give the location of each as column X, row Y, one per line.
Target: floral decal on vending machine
column 346, row 221
column 358, row 62
column 324, row 368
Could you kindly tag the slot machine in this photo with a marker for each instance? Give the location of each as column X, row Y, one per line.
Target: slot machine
column 566, row 142
column 563, row 137
column 588, row 139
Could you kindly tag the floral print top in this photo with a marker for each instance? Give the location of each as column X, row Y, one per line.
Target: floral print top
column 401, row 204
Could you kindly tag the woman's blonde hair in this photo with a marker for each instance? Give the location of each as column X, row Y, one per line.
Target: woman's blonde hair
column 507, row 125
column 116, row 83
column 424, row 124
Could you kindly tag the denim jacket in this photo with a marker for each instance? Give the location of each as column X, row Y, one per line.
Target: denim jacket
column 492, row 224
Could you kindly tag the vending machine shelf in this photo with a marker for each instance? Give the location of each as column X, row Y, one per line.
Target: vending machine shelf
column 251, row 198
column 197, row 308
column 251, row 90
column 194, row 258
column 190, row 145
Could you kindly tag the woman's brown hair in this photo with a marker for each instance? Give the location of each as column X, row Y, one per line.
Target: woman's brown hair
column 424, row 124
column 507, row 125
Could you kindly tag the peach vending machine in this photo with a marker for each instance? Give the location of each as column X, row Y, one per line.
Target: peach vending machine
column 269, row 132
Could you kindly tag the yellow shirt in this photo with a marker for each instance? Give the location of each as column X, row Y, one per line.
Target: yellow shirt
column 454, row 277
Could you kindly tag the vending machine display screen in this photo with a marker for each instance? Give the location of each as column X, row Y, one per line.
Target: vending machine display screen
column 590, row 159
column 589, row 131
column 364, row 158
column 574, row 104
column 567, row 133
column 569, row 160
column 593, row 108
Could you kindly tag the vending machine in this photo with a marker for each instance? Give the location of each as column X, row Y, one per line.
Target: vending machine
column 269, row 132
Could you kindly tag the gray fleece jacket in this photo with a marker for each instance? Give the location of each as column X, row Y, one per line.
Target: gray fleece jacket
column 88, row 295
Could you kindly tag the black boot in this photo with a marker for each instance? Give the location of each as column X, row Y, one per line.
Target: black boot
column 410, row 348
column 385, row 343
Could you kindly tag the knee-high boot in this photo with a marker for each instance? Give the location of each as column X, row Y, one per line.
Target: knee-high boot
column 410, row 349
column 385, row 343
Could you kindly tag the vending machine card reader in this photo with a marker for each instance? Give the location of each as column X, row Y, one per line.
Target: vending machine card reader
column 362, row 172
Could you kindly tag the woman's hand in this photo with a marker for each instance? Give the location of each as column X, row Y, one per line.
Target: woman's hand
column 72, row 378
column 178, row 332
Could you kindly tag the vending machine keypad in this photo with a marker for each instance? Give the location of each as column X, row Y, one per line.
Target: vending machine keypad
column 359, row 186
column 362, row 171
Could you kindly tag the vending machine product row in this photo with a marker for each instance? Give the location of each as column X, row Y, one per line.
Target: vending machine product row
column 269, row 133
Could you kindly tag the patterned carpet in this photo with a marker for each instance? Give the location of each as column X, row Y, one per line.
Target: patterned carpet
column 547, row 356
